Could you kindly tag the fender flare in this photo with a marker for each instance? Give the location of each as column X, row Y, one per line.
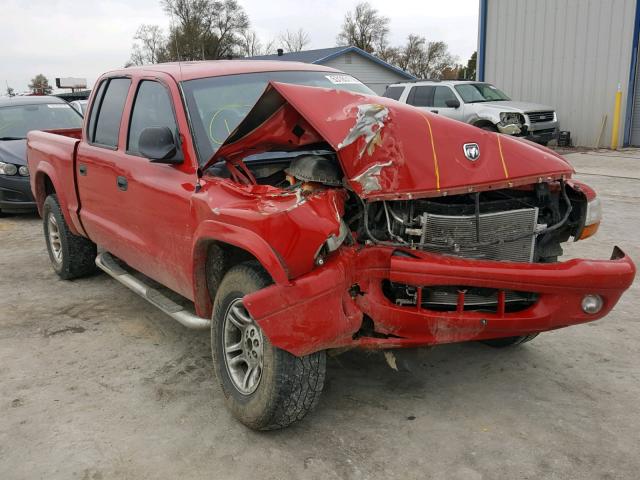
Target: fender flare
column 37, row 187
column 242, row 238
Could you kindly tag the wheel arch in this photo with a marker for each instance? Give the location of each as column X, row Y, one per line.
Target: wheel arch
column 217, row 248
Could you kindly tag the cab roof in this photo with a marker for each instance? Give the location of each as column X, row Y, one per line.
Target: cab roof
column 182, row 71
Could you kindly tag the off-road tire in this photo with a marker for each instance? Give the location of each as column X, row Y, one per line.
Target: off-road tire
column 78, row 253
column 510, row 341
column 289, row 387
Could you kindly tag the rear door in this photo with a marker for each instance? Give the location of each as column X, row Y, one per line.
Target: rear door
column 97, row 180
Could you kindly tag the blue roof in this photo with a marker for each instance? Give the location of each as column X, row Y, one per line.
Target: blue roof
column 322, row 55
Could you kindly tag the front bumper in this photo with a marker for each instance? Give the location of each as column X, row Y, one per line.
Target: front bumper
column 328, row 307
column 15, row 195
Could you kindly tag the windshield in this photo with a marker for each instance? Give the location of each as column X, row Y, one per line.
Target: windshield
column 218, row 104
column 17, row 120
column 480, row 92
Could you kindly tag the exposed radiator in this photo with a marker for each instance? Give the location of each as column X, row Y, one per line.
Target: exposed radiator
column 450, row 231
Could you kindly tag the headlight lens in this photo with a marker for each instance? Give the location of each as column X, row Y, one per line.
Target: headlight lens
column 511, row 117
column 594, row 212
column 23, row 170
column 8, row 169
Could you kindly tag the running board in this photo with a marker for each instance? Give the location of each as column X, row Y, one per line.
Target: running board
column 108, row 264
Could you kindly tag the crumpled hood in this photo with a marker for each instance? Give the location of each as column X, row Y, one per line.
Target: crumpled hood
column 387, row 149
column 511, row 106
column 13, row 151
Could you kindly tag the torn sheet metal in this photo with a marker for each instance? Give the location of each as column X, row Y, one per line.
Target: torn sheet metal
column 369, row 124
column 369, row 180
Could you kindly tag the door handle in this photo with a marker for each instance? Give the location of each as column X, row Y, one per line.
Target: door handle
column 122, row 183
column 83, row 169
column 434, row 111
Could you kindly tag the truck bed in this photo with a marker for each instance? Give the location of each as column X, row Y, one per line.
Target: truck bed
column 51, row 155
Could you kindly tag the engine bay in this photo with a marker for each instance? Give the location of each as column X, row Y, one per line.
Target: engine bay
column 524, row 224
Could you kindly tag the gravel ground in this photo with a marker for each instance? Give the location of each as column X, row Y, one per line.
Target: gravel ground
column 97, row 384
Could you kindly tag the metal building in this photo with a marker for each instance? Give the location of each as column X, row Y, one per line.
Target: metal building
column 571, row 54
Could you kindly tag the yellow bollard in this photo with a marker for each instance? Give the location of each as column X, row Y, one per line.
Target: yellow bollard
column 616, row 119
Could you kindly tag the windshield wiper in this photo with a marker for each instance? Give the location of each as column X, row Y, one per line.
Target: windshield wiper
column 11, row 138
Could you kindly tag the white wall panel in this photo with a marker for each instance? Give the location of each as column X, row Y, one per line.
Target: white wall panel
column 570, row 54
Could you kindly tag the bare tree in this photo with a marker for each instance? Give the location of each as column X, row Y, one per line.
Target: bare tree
column 150, row 46
column 250, row 43
column 40, row 85
column 294, row 41
column 424, row 59
column 364, row 28
column 205, row 29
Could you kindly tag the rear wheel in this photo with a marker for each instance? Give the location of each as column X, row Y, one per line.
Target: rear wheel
column 72, row 256
column 510, row 341
column 266, row 388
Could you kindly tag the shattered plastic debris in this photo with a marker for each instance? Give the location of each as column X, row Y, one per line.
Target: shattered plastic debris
column 370, row 178
column 369, row 123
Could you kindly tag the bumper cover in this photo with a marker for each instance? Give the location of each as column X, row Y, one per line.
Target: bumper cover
column 543, row 135
column 15, row 194
column 326, row 308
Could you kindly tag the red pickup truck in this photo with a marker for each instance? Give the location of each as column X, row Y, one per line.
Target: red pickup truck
column 291, row 211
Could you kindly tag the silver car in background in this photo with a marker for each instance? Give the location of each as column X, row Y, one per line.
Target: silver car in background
column 480, row 104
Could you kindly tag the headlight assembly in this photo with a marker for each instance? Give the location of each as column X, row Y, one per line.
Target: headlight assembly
column 508, row 118
column 23, row 171
column 8, row 169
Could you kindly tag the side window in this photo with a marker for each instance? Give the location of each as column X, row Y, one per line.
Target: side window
column 91, row 127
column 393, row 92
column 152, row 108
column 421, row 96
column 441, row 95
column 110, row 112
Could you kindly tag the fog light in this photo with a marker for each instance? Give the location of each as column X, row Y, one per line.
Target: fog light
column 591, row 304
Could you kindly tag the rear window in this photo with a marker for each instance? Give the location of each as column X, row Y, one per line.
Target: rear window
column 421, row 96
column 393, row 92
column 110, row 110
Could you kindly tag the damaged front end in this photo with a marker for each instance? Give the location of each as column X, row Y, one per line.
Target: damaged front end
column 400, row 228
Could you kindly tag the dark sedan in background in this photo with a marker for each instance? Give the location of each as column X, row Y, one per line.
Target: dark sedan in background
column 19, row 115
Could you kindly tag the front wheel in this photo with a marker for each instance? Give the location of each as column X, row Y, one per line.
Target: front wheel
column 266, row 388
column 510, row 341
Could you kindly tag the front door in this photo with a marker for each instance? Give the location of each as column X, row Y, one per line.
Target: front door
column 156, row 201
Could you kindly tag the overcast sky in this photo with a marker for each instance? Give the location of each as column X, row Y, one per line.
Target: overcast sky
column 64, row 38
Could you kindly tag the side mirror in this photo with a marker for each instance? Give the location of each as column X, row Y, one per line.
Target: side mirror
column 453, row 103
column 157, row 144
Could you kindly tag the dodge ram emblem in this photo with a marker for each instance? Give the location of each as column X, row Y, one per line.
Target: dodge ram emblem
column 471, row 151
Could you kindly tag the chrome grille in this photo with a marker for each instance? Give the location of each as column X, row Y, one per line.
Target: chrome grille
column 537, row 117
column 452, row 231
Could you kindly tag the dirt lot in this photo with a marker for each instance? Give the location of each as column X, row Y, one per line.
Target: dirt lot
column 96, row 384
